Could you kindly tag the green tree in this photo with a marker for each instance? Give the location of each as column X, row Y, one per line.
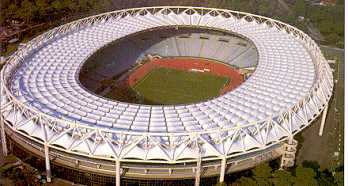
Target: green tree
column 43, row 8
column 210, row 4
column 265, row 7
column 6, row 3
column 340, row 2
column 96, row 5
column 12, row 10
column 83, row 5
column 216, row 4
column 230, row 4
column 300, row 8
column 6, row 13
column 262, row 174
column 333, row 38
column 27, row 11
column 283, row 178
column 311, row 164
column 246, row 181
column 69, row 5
column 221, row 184
column 248, row 6
column 106, row 5
column 57, row 6
column 339, row 178
column 325, row 177
column 305, row 176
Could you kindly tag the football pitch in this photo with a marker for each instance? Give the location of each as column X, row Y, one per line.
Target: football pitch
column 165, row 86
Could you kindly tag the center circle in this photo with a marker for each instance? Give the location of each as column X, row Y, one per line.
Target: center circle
column 170, row 66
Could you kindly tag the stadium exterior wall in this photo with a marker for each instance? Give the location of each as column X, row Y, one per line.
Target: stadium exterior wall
column 134, row 171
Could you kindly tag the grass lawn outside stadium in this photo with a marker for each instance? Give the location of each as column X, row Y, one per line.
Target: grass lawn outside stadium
column 171, row 86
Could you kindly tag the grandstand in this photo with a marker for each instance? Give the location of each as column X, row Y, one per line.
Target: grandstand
column 224, row 47
column 47, row 111
column 206, row 45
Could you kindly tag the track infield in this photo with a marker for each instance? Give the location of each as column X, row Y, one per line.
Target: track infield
column 166, row 86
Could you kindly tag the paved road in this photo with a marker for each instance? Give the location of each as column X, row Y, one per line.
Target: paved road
column 340, row 53
column 314, row 147
column 337, row 51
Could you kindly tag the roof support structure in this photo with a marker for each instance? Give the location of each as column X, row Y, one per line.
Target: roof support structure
column 223, row 168
column 118, row 172
column 48, row 166
column 3, row 136
column 198, row 170
column 321, row 130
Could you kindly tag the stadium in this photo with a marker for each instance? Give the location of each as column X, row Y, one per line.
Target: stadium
column 58, row 94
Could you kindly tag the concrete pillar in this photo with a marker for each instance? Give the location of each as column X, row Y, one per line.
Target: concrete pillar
column 118, row 173
column 223, row 168
column 48, row 166
column 3, row 136
column 198, row 170
column 288, row 154
column 290, row 140
column 321, row 130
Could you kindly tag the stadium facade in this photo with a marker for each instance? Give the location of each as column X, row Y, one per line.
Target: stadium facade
column 45, row 109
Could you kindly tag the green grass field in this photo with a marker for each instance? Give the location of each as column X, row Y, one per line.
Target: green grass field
column 170, row 86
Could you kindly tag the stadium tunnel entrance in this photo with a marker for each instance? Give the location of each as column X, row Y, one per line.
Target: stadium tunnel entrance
column 170, row 65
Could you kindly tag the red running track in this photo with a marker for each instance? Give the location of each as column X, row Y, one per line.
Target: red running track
column 186, row 64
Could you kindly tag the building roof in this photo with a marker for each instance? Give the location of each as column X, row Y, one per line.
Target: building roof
column 278, row 100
